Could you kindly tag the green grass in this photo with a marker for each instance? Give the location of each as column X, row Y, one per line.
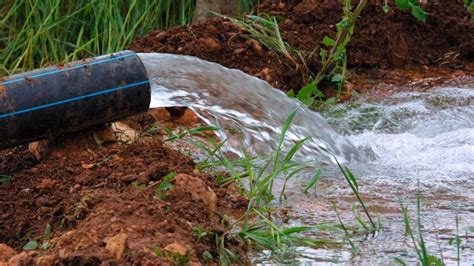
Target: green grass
column 425, row 258
column 39, row 33
column 265, row 30
column 47, row 32
column 256, row 176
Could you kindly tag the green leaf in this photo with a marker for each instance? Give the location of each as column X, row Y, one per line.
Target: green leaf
column 169, row 177
column 305, row 94
column 5, row 180
column 291, row 93
column 314, row 179
column 166, row 186
column 433, row 260
column 47, row 232
column 323, row 54
column 386, row 9
column 32, row 245
column 337, row 78
column 207, row 255
column 158, row 252
column 296, row 230
column 136, row 184
column 293, row 150
column 351, row 177
column 402, row 4
column 328, row 41
column 418, row 13
column 343, row 24
column 331, row 101
column 45, row 246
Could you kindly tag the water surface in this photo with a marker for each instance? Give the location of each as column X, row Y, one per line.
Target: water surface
column 407, row 143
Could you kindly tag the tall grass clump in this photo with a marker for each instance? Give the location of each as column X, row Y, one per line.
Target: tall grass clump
column 265, row 30
column 39, row 33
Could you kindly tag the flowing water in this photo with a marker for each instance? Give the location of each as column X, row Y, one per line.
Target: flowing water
column 409, row 142
column 423, row 141
column 250, row 107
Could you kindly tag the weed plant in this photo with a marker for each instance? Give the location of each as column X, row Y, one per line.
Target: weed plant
column 334, row 60
column 469, row 4
column 256, row 175
column 413, row 7
column 265, row 30
column 419, row 245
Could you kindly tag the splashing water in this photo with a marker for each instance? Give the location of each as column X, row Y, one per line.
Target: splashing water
column 424, row 138
column 410, row 137
column 233, row 100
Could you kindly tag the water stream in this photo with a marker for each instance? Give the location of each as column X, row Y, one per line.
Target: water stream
column 407, row 142
column 237, row 102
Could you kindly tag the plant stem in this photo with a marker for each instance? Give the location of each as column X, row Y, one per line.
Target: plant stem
column 341, row 36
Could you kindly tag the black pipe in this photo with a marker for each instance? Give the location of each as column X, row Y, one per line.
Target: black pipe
column 63, row 99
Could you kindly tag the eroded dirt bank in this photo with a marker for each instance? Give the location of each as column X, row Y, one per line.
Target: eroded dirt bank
column 384, row 46
column 103, row 201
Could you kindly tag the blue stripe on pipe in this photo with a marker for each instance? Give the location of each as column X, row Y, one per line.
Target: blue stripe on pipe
column 66, row 69
column 75, row 99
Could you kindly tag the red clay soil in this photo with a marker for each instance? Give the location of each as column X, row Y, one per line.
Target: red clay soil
column 102, row 205
column 381, row 43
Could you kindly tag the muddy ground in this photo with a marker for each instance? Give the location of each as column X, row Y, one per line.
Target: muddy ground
column 98, row 193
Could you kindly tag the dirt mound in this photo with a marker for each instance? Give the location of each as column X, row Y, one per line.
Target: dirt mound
column 92, row 193
column 221, row 41
column 381, row 41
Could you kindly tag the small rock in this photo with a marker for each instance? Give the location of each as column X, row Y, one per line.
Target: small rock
column 38, row 149
column 46, row 183
column 62, row 253
column 105, row 135
column 239, row 50
column 264, row 74
column 116, row 227
column 255, row 45
column 188, row 118
column 159, row 114
column 198, row 189
column 46, row 260
column 211, row 43
column 161, row 36
column 177, row 248
column 6, row 252
column 88, row 165
column 21, row 259
column 124, row 133
column 117, row 245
